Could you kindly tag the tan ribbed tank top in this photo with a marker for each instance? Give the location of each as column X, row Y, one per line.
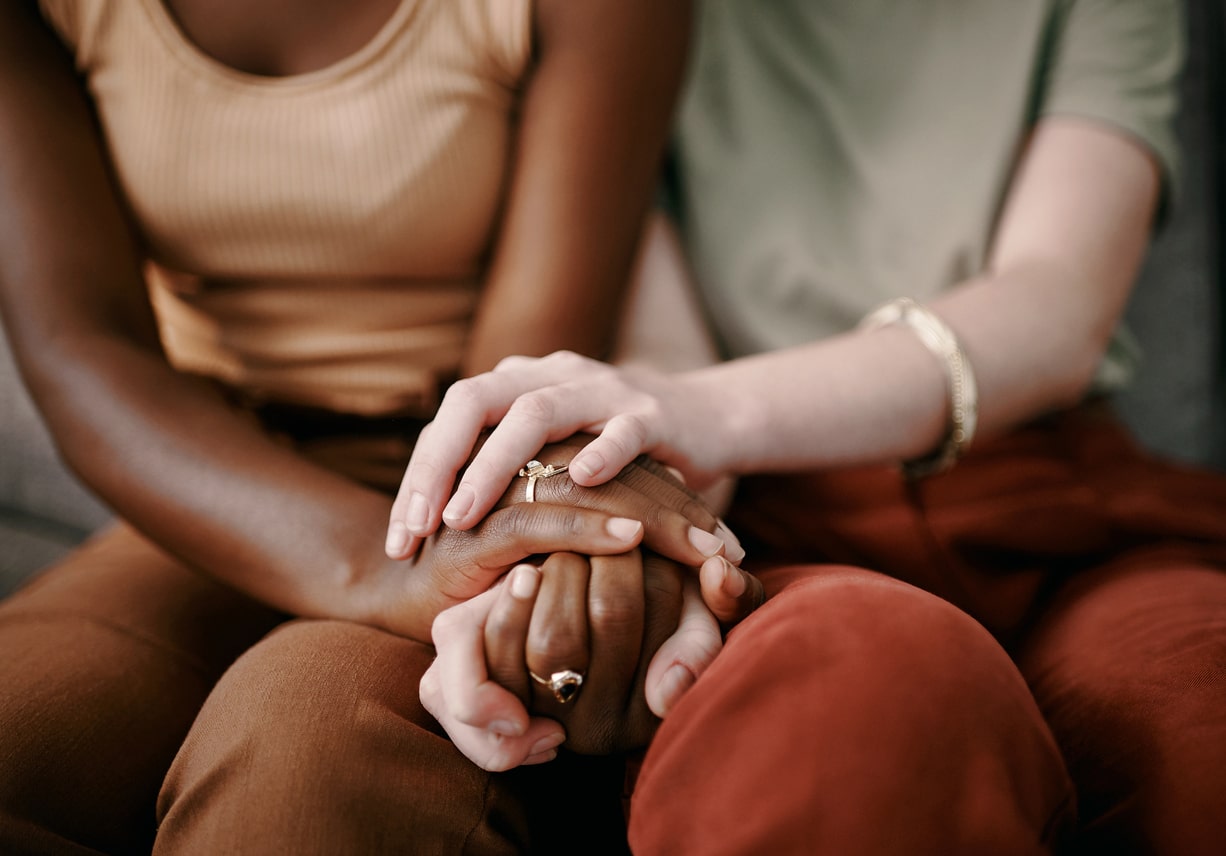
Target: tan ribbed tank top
column 317, row 239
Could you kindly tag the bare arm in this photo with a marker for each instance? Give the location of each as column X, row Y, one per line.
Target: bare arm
column 594, row 122
column 1035, row 326
column 165, row 450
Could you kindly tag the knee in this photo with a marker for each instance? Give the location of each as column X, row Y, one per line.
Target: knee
column 308, row 676
column 875, row 637
column 315, row 741
column 1129, row 667
column 298, row 701
column 1150, row 638
column 876, row 709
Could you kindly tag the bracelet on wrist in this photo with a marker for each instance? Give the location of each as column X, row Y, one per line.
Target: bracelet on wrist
column 963, row 393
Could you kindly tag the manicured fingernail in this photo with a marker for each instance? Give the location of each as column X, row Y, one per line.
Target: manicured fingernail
column 505, row 729
column 397, row 539
column 459, row 504
column 732, row 546
column 734, row 581
column 415, row 517
column 704, row 542
column 553, row 741
column 587, row 464
column 623, row 528
column 676, row 681
column 524, row 580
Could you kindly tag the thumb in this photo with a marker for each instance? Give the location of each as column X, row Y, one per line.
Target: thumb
column 685, row 655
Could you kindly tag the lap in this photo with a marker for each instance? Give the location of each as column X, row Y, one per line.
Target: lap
column 1128, row 665
column 107, row 658
column 315, row 741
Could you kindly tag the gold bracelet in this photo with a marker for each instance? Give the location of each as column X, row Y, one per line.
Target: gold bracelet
column 938, row 338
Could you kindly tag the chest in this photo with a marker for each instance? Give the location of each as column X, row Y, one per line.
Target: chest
column 280, row 38
column 248, row 154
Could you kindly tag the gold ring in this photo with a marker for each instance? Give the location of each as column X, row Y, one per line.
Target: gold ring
column 565, row 684
column 534, row 470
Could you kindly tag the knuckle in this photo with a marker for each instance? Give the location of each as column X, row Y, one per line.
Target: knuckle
column 512, row 362
column 424, row 467
column 695, row 649
column 517, row 522
column 614, row 611
column 479, row 471
column 696, row 511
column 566, row 359
column 565, row 521
column 535, row 408
column 557, row 648
column 629, row 433
column 502, row 627
column 466, row 392
column 464, row 710
column 446, row 627
column 562, row 489
column 429, row 690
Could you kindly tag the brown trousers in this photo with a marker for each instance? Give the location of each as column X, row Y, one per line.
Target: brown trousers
column 1043, row 666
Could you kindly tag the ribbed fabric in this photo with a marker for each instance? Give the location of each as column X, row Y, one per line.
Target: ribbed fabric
column 317, row 238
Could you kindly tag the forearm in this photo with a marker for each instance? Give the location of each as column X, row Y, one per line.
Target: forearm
column 205, row 483
column 880, row 396
column 1034, row 326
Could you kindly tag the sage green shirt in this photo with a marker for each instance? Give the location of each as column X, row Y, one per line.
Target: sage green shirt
column 834, row 154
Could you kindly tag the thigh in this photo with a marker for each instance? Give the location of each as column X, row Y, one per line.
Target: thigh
column 315, row 742
column 852, row 714
column 1129, row 668
column 107, row 658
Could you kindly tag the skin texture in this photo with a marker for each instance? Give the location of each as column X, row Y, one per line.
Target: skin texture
column 199, row 477
column 1034, row 324
column 480, row 690
column 1071, row 237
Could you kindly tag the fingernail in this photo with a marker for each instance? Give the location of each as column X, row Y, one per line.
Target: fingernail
column 676, row 681
column 397, row 539
column 415, row 517
column 505, row 729
column 704, row 542
column 734, row 581
column 459, row 504
column 623, row 528
column 524, row 580
column 587, row 464
column 733, row 550
column 553, row 741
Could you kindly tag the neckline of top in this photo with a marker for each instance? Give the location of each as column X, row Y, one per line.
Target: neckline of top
column 189, row 52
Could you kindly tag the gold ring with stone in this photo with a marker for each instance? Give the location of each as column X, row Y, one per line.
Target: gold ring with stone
column 534, row 470
column 565, row 684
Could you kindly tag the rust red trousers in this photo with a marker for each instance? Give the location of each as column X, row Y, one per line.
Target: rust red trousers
column 1024, row 655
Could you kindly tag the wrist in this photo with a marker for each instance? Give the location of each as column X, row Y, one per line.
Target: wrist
column 389, row 595
column 719, row 439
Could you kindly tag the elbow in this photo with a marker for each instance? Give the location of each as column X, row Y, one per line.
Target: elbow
column 1078, row 369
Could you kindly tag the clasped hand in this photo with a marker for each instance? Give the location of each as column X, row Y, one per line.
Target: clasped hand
column 638, row 626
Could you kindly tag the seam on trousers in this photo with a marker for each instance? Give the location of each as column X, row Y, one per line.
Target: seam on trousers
column 1061, row 823
column 485, row 801
column 937, row 556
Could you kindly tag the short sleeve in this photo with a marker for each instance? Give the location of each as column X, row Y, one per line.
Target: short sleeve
column 1118, row 62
